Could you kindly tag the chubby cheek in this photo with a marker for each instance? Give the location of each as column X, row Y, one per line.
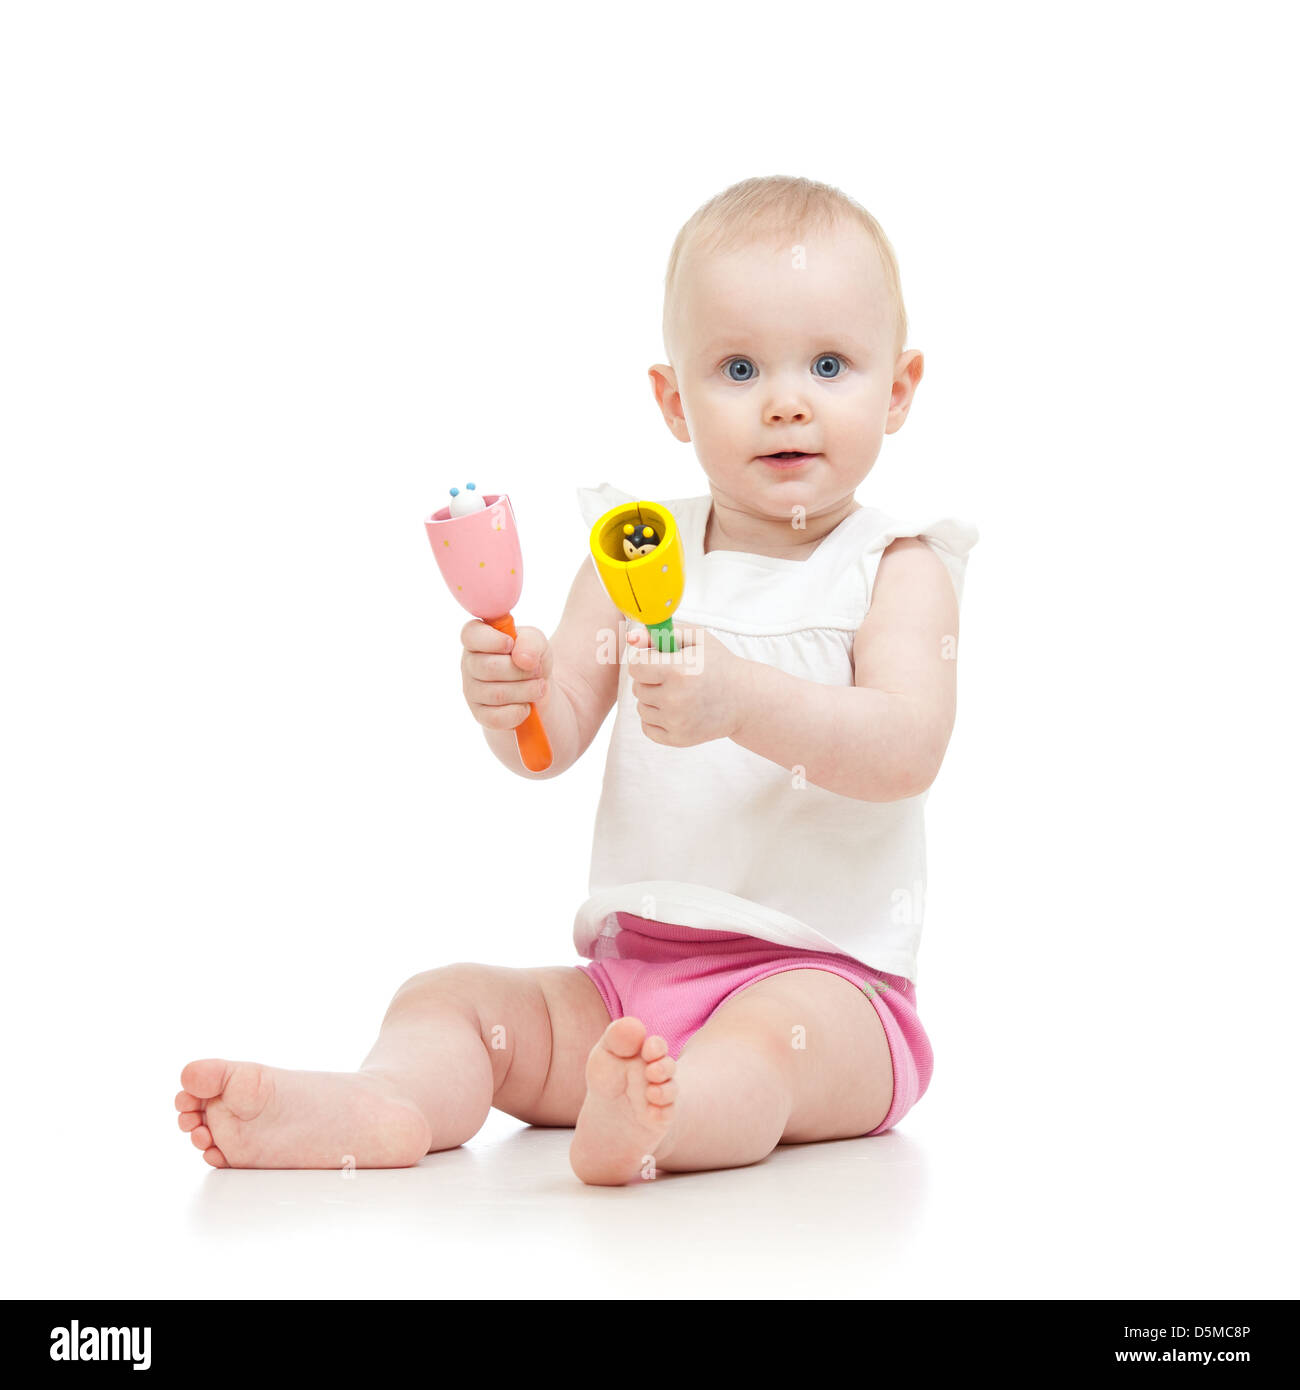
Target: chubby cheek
column 720, row 429
column 855, row 420
column 852, row 432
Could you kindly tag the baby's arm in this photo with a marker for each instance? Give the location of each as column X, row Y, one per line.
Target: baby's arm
column 581, row 674
column 884, row 737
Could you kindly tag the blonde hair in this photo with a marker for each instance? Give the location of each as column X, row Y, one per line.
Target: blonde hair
column 778, row 205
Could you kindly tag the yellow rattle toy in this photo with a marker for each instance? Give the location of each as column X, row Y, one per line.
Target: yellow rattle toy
column 638, row 555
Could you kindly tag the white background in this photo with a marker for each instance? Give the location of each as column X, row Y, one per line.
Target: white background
column 276, row 275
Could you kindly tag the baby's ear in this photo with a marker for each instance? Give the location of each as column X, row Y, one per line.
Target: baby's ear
column 663, row 379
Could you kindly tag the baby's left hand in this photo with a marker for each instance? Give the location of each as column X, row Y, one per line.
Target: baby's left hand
column 689, row 696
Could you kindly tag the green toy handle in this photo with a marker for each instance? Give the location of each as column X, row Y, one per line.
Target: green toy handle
column 662, row 637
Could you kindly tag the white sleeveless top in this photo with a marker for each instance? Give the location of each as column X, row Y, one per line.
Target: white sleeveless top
column 745, row 849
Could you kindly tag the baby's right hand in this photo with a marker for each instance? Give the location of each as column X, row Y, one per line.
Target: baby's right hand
column 501, row 677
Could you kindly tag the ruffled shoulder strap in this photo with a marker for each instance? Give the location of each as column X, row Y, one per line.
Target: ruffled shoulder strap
column 951, row 539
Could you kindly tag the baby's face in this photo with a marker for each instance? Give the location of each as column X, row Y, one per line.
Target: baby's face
column 779, row 350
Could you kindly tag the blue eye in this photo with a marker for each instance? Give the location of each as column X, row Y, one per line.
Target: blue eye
column 832, row 362
column 747, row 370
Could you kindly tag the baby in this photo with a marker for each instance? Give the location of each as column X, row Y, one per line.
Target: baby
column 758, row 871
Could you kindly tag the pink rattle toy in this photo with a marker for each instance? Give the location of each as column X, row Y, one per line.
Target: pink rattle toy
column 476, row 546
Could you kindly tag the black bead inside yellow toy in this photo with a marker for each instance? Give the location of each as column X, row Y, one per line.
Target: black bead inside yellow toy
column 638, row 540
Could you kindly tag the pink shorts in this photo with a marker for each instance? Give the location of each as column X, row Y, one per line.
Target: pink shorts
column 674, row 978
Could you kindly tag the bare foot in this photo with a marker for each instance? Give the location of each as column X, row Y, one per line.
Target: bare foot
column 243, row 1115
column 629, row 1106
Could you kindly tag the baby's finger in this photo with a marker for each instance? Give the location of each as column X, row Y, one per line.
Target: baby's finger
column 646, row 668
column 502, row 717
column 529, row 651
column 478, row 636
column 492, row 666
column 500, row 693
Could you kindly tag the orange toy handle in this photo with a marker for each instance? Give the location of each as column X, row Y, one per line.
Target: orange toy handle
column 534, row 746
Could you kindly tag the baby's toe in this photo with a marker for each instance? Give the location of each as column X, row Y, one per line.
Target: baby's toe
column 653, row 1048
column 624, row 1037
column 662, row 1070
column 662, row 1095
column 188, row 1120
column 206, row 1078
column 184, row 1101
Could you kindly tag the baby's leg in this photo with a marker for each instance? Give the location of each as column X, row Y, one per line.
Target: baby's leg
column 454, row 1042
column 797, row 1057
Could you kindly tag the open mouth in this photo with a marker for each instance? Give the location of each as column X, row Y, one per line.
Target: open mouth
column 788, row 458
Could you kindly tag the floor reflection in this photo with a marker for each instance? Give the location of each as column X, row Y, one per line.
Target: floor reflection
column 510, row 1196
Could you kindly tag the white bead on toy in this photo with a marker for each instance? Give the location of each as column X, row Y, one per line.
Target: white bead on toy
column 463, row 503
